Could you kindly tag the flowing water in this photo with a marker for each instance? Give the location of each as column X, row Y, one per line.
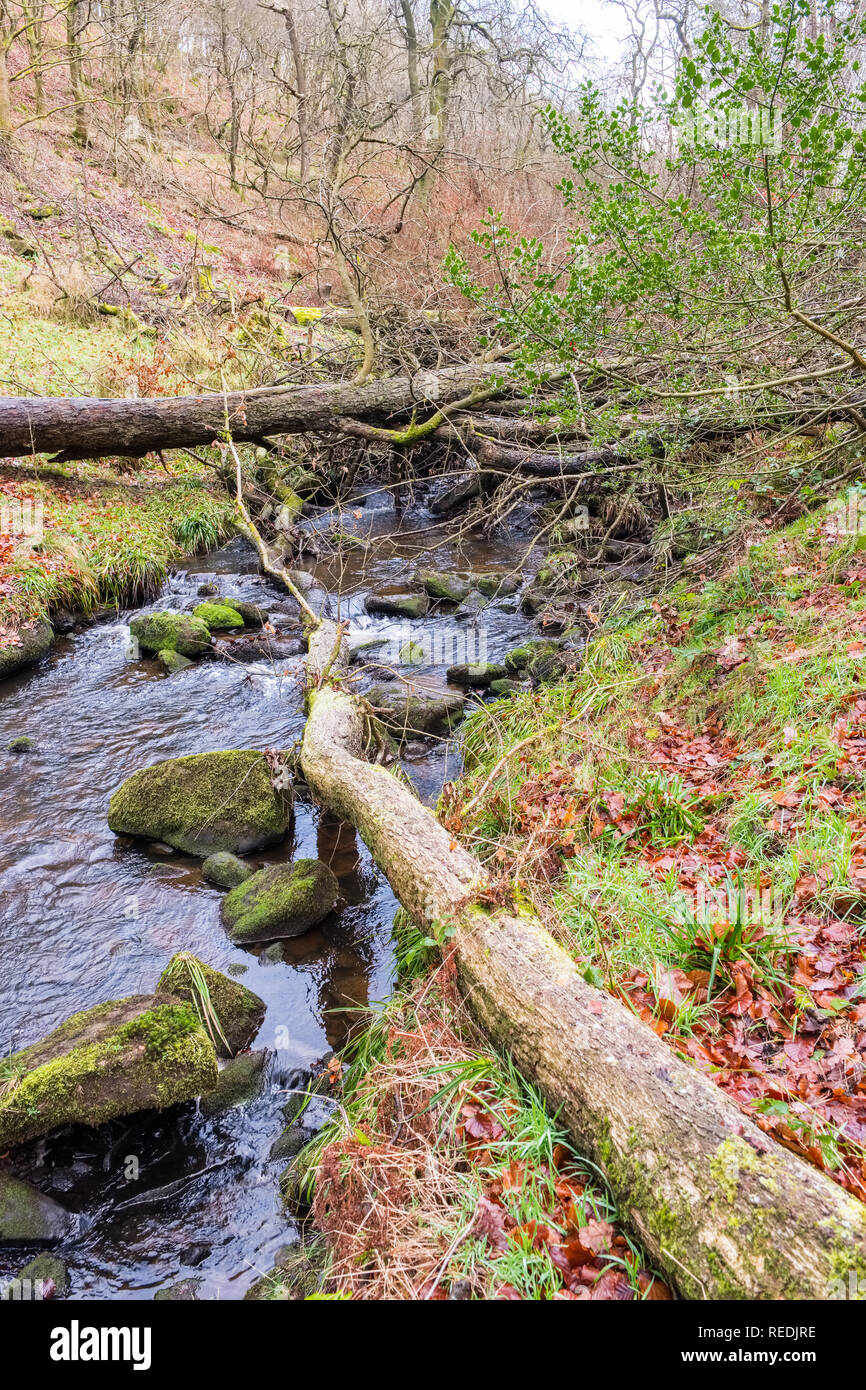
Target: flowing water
column 86, row 917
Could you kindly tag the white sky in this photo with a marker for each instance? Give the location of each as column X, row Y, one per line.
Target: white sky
column 604, row 23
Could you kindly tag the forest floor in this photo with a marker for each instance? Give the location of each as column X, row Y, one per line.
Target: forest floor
column 688, row 814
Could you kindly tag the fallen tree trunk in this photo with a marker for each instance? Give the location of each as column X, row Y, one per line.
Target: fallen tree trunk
column 722, row 1209
column 78, row 427
column 83, row 427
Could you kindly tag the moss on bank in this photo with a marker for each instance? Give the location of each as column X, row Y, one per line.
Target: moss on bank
column 95, row 540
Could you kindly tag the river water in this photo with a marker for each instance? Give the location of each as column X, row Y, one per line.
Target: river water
column 86, row 917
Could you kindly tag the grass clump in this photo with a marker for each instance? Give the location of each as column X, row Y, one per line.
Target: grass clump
column 442, row 1176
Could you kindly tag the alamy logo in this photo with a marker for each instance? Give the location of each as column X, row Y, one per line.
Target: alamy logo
column 849, row 513
column 24, row 519
column 77, row 1343
column 744, row 125
column 852, row 1289
column 407, row 646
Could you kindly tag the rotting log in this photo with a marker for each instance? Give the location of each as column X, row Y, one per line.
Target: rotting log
column 84, row 427
column 722, row 1210
column 79, row 427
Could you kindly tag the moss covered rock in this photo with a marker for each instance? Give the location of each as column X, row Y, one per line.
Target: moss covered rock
column 171, row 632
column 406, row 714
column 252, row 615
column 521, row 658
column 291, row 506
column 412, row 654
column 218, row 616
column 140, row 1053
column 226, row 870
column 204, row 803
column 239, row 1012
column 16, row 243
column 281, row 900
column 293, row 1278
column 239, row 1082
column 172, row 661
column 47, row 1277
column 494, row 585
column 30, row 646
column 396, row 605
column 289, row 1142
column 504, row 687
column 28, row 1216
column 184, row 1291
column 446, row 587
column 480, row 673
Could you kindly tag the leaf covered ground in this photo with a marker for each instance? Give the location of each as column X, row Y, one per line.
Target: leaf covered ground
column 688, row 813
column 443, row 1177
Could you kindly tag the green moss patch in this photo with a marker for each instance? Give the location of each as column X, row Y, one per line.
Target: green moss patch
column 140, row 1053
column 204, row 803
column 218, row 616
column 282, row 900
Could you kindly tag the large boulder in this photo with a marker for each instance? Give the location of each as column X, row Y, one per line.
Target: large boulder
column 204, row 803
column 30, row 645
column 28, row 1216
column 447, row 588
column 406, row 713
column 218, row 617
column 171, row 632
column 238, row 1012
column 281, row 900
column 141, row 1053
column 396, row 605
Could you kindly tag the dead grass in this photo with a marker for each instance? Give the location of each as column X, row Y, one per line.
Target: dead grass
column 442, row 1176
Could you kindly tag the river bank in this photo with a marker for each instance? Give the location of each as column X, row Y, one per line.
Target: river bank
column 686, row 813
column 677, row 797
column 77, row 538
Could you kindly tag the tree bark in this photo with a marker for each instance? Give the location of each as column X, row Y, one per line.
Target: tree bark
column 75, row 26
column 722, row 1209
column 84, row 427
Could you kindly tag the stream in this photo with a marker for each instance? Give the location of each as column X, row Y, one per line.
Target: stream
column 86, row 917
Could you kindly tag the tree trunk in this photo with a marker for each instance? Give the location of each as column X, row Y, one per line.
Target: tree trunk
column 301, row 89
column 75, row 25
column 5, row 96
column 84, row 427
column 721, row 1208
